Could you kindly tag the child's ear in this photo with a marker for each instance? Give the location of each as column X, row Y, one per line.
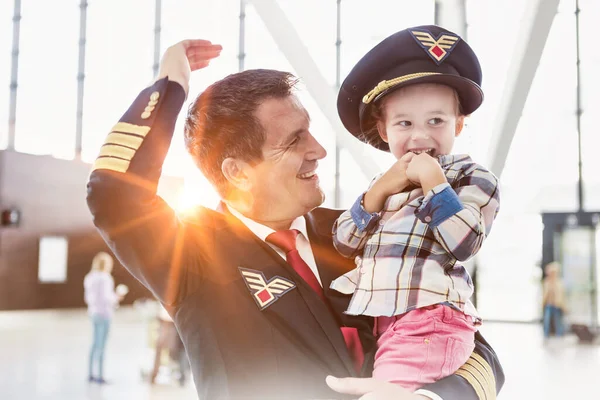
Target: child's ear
column 381, row 130
column 460, row 124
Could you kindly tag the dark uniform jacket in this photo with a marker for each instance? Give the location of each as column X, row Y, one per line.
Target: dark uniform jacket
column 252, row 328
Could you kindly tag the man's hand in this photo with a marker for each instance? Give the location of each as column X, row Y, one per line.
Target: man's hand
column 393, row 181
column 184, row 57
column 371, row 389
column 425, row 171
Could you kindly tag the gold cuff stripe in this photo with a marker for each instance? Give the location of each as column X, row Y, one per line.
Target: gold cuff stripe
column 467, row 372
column 490, row 393
column 114, row 164
column 124, row 140
column 385, row 85
column 478, row 372
column 480, row 363
column 115, row 150
column 131, row 128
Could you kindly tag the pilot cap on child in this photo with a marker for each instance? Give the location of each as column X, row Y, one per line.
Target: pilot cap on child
column 423, row 54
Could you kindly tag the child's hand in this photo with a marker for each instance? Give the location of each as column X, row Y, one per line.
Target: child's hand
column 395, row 180
column 425, row 171
column 392, row 182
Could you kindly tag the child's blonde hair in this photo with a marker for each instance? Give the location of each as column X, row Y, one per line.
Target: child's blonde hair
column 102, row 262
column 552, row 267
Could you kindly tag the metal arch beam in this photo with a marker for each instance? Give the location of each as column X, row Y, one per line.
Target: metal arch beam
column 291, row 45
column 537, row 21
column 452, row 15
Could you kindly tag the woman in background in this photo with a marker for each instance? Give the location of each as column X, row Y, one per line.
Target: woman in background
column 101, row 299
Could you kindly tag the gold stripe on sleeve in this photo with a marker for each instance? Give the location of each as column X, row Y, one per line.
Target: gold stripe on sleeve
column 114, row 164
column 131, row 128
column 479, row 362
column 479, row 375
column 125, row 140
column 474, row 379
column 114, row 150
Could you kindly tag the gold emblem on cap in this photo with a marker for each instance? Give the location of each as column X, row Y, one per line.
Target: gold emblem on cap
column 438, row 49
column 385, row 85
column 154, row 96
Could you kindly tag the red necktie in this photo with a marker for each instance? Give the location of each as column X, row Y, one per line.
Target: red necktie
column 286, row 241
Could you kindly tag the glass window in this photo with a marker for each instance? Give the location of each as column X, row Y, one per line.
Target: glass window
column 541, row 168
column 53, row 256
column 508, row 270
column 362, row 28
column 47, row 91
column 219, row 23
column 543, row 155
column 589, row 154
column 590, row 87
column 364, row 25
column 494, row 45
column 263, row 52
column 315, row 21
column 118, row 64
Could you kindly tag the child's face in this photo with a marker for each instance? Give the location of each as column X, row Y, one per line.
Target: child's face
column 421, row 117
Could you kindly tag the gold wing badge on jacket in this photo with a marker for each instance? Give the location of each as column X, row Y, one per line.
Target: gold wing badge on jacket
column 265, row 292
column 438, row 49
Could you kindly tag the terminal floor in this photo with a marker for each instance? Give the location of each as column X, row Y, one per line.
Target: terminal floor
column 43, row 355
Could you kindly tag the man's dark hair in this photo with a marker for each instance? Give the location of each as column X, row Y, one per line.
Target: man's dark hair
column 222, row 121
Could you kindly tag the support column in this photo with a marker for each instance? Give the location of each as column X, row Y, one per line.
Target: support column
column 83, row 4
column 14, row 72
column 157, row 34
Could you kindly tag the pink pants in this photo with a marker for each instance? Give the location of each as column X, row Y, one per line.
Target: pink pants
column 422, row 346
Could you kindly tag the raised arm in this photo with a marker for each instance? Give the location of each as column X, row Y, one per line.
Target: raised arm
column 461, row 216
column 353, row 227
column 141, row 229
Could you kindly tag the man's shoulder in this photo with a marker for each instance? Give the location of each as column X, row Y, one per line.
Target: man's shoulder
column 203, row 217
column 324, row 213
column 322, row 219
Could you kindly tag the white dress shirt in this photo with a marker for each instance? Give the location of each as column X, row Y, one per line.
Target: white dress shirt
column 302, row 243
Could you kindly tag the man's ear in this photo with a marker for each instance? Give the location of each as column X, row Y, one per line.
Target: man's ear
column 236, row 173
column 460, row 124
column 382, row 132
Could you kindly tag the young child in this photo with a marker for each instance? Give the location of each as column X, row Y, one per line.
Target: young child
column 417, row 222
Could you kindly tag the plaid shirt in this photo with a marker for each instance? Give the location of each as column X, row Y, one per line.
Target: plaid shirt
column 408, row 255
